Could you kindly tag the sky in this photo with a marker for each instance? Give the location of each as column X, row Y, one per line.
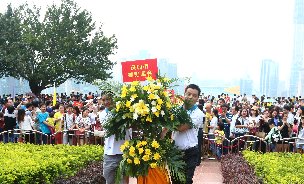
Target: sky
column 212, row 39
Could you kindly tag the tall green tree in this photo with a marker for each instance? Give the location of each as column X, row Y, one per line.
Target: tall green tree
column 63, row 44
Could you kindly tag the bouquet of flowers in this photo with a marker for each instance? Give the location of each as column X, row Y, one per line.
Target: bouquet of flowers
column 140, row 155
column 147, row 109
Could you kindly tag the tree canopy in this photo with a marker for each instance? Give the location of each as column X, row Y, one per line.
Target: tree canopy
column 63, row 44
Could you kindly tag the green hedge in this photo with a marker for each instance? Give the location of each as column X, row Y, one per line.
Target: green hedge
column 277, row 167
column 27, row 163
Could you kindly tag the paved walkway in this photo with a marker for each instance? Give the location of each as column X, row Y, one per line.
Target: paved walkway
column 209, row 172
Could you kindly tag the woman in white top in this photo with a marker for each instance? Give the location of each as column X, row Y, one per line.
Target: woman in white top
column 241, row 124
column 254, row 120
column 212, row 127
column 83, row 123
column 214, row 121
column 26, row 125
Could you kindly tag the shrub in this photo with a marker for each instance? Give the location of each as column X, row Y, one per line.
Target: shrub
column 236, row 170
column 277, row 167
column 27, row 163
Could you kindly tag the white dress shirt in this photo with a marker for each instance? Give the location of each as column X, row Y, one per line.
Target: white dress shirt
column 188, row 138
column 111, row 146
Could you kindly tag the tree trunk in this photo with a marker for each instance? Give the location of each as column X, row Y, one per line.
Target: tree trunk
column 35, row 88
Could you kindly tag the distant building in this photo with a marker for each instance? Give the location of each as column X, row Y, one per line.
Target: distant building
column 298, row 50
column 269, row 78
column 170, row 71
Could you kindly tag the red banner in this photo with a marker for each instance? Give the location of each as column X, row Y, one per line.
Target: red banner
column 139, row 70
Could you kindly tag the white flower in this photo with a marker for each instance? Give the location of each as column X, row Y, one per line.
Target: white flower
column 153, row 103
column 162, row 113
column 117, row 103
column 123, row 117
column 156, row 97
column 135, row 115
column 132, row 99
column 153, row 109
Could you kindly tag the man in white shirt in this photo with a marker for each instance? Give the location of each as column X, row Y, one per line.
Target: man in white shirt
column 186, row 137
column 112, row 153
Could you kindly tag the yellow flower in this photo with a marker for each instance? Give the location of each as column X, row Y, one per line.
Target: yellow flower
column 132, row 148
column 157, row 87
column 134, row 83
column 122, row 148
column 132, row 89
column 131, row 110
column 140, row 150
column 146, row 158
column 168, row 105
column 160, row 101
column 123, row 94
column 129, row 161
column 155, row 144
column 153, row 165
column 156, row 113
column 126, row 143
column 147, row 151
column 136, row 161
column 156, row 156
column 150, row 79
column 124, row 88
column 158, row 107
column 141, row 108
column 144, row 143
column 146, row 88
column 149, row 119
column 165, row 93
column 138, row 145
column 118, row 105
column 134, row 96
column 132, row 153
column 128, row 103
column 172, row 117
column 151, row 96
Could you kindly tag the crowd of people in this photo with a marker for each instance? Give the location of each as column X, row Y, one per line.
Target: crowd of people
column 277, row 123
column 219, row 120
column 71, row 118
